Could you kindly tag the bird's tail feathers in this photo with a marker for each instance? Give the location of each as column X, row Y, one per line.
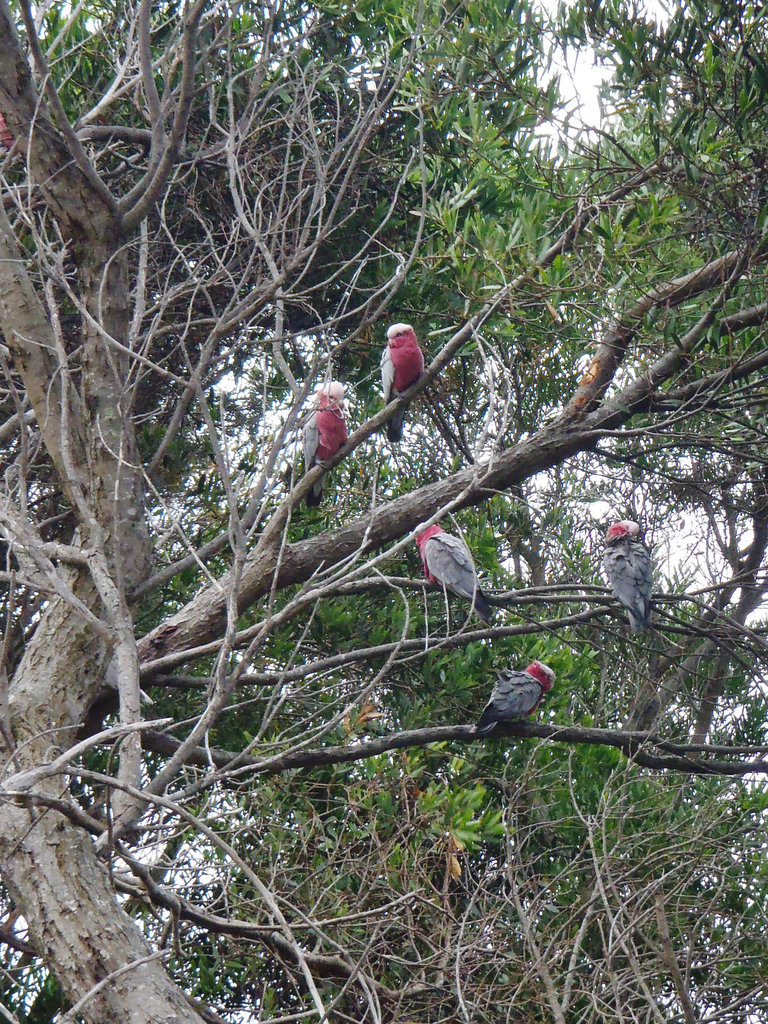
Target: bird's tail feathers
column 315, row 495
column 486, row 721
column 639, row 622
column 395, row 425
column 482, row 607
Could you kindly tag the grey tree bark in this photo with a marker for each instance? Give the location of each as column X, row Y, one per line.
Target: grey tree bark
column 51, row 868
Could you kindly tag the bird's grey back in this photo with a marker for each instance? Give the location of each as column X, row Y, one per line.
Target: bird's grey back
column 448, row 559
column 627, row 564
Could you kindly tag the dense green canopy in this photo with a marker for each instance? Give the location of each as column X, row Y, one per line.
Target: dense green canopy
column 210, row 209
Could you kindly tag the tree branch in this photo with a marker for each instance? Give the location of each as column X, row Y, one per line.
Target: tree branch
column 632, row 744
column 78, row 198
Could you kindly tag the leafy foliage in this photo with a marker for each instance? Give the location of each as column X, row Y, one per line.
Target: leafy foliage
column 342, row 166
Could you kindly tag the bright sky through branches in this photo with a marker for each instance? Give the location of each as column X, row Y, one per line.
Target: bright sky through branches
column 582, row 76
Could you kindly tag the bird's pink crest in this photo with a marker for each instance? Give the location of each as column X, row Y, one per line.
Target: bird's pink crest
column 541, row 673
column 624, row 528
column 404, row 331
column 329, row 395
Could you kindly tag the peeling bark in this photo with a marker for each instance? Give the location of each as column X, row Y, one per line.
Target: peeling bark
column 49, row 866
column 74, row 920
column 103, row 963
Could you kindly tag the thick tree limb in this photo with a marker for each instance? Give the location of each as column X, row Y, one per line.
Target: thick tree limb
column 28, row 332
column 613, row 346
column 51, row 687
column 548, row 447
column 76, row 195
column 70, row 139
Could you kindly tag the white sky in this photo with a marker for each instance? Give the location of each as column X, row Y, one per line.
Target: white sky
column 580, row 74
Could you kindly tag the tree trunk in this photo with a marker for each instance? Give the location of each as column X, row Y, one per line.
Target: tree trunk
column 49, row 865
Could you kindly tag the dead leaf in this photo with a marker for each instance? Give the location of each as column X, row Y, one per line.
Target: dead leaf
column 368, row 713
column 552, row 311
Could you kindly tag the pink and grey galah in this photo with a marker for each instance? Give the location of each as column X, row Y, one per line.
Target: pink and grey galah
column 448, row 563
column 324, row 432
column 627, row 564
column 516, row 695
column 5, row 134
column 402, row 363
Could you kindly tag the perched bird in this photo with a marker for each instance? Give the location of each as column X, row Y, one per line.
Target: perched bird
column 627, row 564
column 402, row 363
column 516, row 695
column 447, row 561
column 5, row 135
column 324, row 432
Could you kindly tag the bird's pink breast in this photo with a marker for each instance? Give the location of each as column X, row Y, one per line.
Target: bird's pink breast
column 428, row 574
column 407, row 362
column 5, row 135
column 421, row 543
column 332, row 431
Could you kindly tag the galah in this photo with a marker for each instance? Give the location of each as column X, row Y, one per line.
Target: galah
column 516, row 695
column 5, row 135
column 627, row 564
column 448, row 562
column 324, row 432
column 402, row 363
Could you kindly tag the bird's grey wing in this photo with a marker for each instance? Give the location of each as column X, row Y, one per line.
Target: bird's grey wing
column 607, row 563
column 311, row 440
column 449, row 560
column 516, row 694
column 629, row 569
column 387, row 373
column 641, row 570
